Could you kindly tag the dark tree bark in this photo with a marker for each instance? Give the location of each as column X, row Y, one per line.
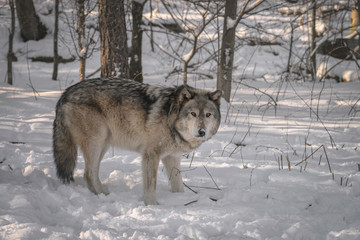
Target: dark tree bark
column 11, row 56
column 136, row 41
column 227, row 49
column 358, row 10
column 113, row 39
column 231, row 20
column 56, row 30
column 313, row 40
column 30, row 26
column 81, row 38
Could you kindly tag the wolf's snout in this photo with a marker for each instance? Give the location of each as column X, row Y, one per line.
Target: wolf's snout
column 202, row 132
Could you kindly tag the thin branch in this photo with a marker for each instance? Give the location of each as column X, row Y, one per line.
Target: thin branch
column 211, row 177
column 257, row 89
column 244, row 11
column 322, row 146
column 333, row 144
column 190, row 188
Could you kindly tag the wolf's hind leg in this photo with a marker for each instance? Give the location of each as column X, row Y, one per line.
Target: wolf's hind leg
column 94, row 151
column 150, row 164
column 173, row 170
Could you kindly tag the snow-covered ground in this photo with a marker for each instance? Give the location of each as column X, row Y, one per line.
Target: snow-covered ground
column 248, row 182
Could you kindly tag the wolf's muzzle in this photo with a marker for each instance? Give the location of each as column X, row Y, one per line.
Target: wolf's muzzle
column 201, row 132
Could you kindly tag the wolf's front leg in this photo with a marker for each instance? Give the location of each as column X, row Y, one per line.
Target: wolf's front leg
column 173, row 170
column 150, row 164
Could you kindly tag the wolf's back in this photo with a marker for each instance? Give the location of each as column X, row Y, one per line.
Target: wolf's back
column 64, row 147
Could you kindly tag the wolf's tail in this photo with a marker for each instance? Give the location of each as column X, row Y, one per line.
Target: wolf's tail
column 64, row 147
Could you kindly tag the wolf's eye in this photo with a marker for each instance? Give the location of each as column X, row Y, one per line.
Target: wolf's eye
column 208, row 115
column 193, row 114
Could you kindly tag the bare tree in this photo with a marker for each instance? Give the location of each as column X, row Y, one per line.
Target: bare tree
column 355, row 21
column 227, row 48
column 355, row 17
column 207, row 17
column 81, row 37
column 231, row 20
column 358, row 10
column 56, row 30
column 136, row 40
column 313, row 40
column 113, row 39
column 11, row 56
column 83, row 29
column 30, row 25
column 193, row 29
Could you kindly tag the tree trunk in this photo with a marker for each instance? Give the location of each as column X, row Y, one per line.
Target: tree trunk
column 136, row 41
column 358, row 10
column 30, row 26
column 355, row 23
column 151, row 28
column 81, row 38
column 113, row 39
column 313, row 40
column 227, row 49
column 56, row 30
column 355, row 18
column 11, row 56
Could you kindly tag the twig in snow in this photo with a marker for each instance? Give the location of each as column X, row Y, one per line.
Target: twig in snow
column 190, row 189
column 353, row 108
column 288, row 162
column 16, row 143
column 240, row 144
column 332, row 141
column 210, row 188
column 211, row 177
column 322, row 146
column 192, row 158
column 186, row 204
column 251, row 173
column 28, row 68
column 222, row 154
column 257, row 89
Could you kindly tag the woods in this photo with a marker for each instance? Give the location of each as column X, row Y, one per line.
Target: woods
column 205, row 28
column 113, row 39
column 284, row 163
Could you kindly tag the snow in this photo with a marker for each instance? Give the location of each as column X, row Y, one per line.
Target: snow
column 230, row 22
column 346, row 72
column 239, row 182
column 188, row 55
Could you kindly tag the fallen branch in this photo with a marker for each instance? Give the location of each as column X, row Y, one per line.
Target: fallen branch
column 186, row 204
column 257, row 89
column 211, row 177
column 322, row 146
column 190, row 188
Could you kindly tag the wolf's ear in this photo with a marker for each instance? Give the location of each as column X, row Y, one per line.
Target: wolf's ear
column 216, row 96
column 184, row 95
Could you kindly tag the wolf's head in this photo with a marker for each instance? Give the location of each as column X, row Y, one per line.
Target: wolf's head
column 197, row 114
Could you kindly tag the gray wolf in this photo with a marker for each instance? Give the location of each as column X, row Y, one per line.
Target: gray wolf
column 160, row 123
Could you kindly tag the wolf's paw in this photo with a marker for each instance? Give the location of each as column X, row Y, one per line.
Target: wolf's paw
column 105, row 190
column 151, row 203
column 178, row 187
column 150, row 200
